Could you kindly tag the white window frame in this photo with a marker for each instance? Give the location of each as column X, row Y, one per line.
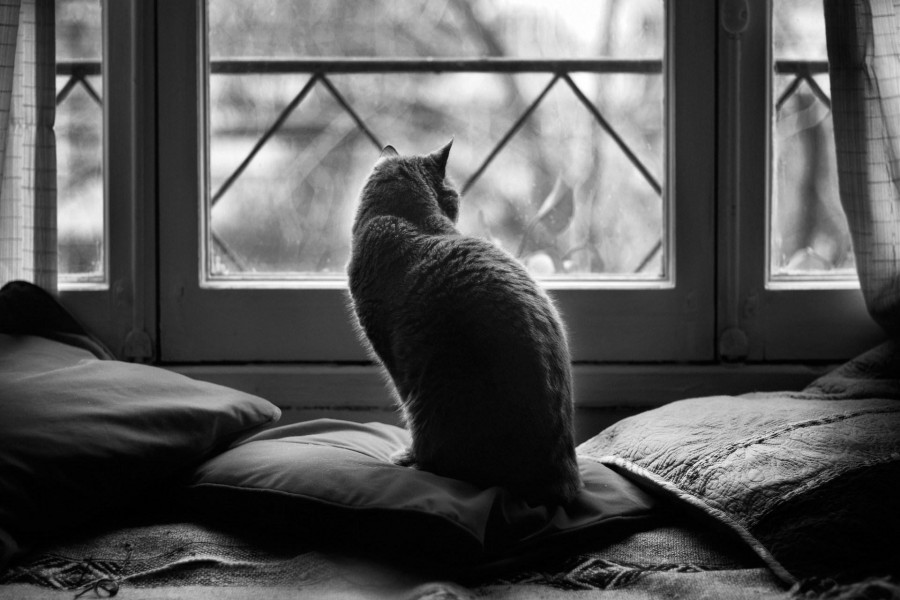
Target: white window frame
column 218, row 323
column 768, row 322
column 121, row 310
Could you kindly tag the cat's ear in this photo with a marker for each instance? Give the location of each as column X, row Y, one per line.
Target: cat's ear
column 439, row 158
column 386, row 153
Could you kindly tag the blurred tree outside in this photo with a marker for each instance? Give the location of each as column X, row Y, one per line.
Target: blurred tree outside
column 290, row 211
column 561, row 195
column 79, row 139
column 808, row 229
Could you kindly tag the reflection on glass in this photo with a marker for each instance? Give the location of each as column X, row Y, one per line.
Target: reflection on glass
column 79, row 141
column 287, row 211
column 809, row 238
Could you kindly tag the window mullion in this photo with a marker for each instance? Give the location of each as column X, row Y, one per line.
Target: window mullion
column 121, row 311
column 759, row 321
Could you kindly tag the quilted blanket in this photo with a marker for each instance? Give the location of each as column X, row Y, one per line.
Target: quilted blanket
column 808, row 479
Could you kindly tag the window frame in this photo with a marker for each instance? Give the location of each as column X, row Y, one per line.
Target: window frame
column 775, row 321
column 146, row 311
column 121, row 310
column 221, row 323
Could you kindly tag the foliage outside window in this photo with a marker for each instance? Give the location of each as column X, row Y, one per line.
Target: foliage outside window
column 809, row 238
column 79, row 133
column 562, row 194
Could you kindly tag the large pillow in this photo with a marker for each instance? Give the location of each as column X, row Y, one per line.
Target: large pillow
column 332, row 482
column 810, row 482
column 82, row 437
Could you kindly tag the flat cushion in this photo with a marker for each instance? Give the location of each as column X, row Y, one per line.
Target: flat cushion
column 80, row 437
column 333, row 482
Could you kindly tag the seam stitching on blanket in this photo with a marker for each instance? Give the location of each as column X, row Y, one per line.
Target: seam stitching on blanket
column 693, row 471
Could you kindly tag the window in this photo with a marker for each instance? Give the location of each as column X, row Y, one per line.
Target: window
column 81, row 213
column 560, row 160
column 106, row 209
column 786, row 294
column 657, row 198
column 809, row 241
column 523, row 123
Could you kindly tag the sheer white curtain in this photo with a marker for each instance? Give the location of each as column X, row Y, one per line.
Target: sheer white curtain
column 27, row 143
column 864, row 63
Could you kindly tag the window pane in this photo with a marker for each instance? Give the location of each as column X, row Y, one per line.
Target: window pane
column 291, row 142
column 809, row 239
column 79, row 141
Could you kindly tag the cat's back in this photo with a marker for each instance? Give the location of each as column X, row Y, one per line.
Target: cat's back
column 470, row 280
column 385, row 248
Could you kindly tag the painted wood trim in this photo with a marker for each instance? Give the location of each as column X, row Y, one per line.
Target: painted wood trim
column 337, row 387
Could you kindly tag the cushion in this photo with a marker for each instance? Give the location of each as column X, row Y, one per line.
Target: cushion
column 82, row 437
column 26, row 309
column 333, row 482
column 808, row 480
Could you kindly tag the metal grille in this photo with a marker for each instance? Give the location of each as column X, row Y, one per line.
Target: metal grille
column 320, row 70
column 558, row 71
column 803, row 71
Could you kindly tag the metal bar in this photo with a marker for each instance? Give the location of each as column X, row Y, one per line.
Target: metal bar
column 74, row 79
column 238, row 66
column 346, row 106
column 91, row 91
column 265, row 138
column 615, row 136
column 516, row 126
column 818, row 91
column 653, row 252
column 68, row 87
column 439, row 65
column 788, row 91
column 801, row 67
column 79, row 68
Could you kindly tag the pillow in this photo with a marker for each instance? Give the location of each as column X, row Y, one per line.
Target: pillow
column 332, row 482
column 80, row 437
column 26, row 309
column 810, row 483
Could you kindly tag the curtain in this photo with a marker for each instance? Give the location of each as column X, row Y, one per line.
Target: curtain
column 27, row 143
column 863, row 38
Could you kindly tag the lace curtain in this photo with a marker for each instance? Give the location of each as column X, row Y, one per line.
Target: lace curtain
column 27, row 143
column 863, row 39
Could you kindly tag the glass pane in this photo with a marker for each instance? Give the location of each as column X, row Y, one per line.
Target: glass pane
column 79, row 141
column 287, row 153
column 809, row 239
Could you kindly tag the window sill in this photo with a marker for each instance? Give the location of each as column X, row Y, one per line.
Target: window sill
column 603, row 393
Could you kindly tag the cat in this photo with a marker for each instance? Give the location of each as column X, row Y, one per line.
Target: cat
column 475, row 349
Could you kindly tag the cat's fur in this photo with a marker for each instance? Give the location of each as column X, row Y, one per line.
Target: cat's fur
column 475, row 348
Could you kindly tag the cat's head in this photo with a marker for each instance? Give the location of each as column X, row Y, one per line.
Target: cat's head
column 414, row 188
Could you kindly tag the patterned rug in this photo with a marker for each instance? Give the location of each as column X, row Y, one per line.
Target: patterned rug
column 191, row 554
